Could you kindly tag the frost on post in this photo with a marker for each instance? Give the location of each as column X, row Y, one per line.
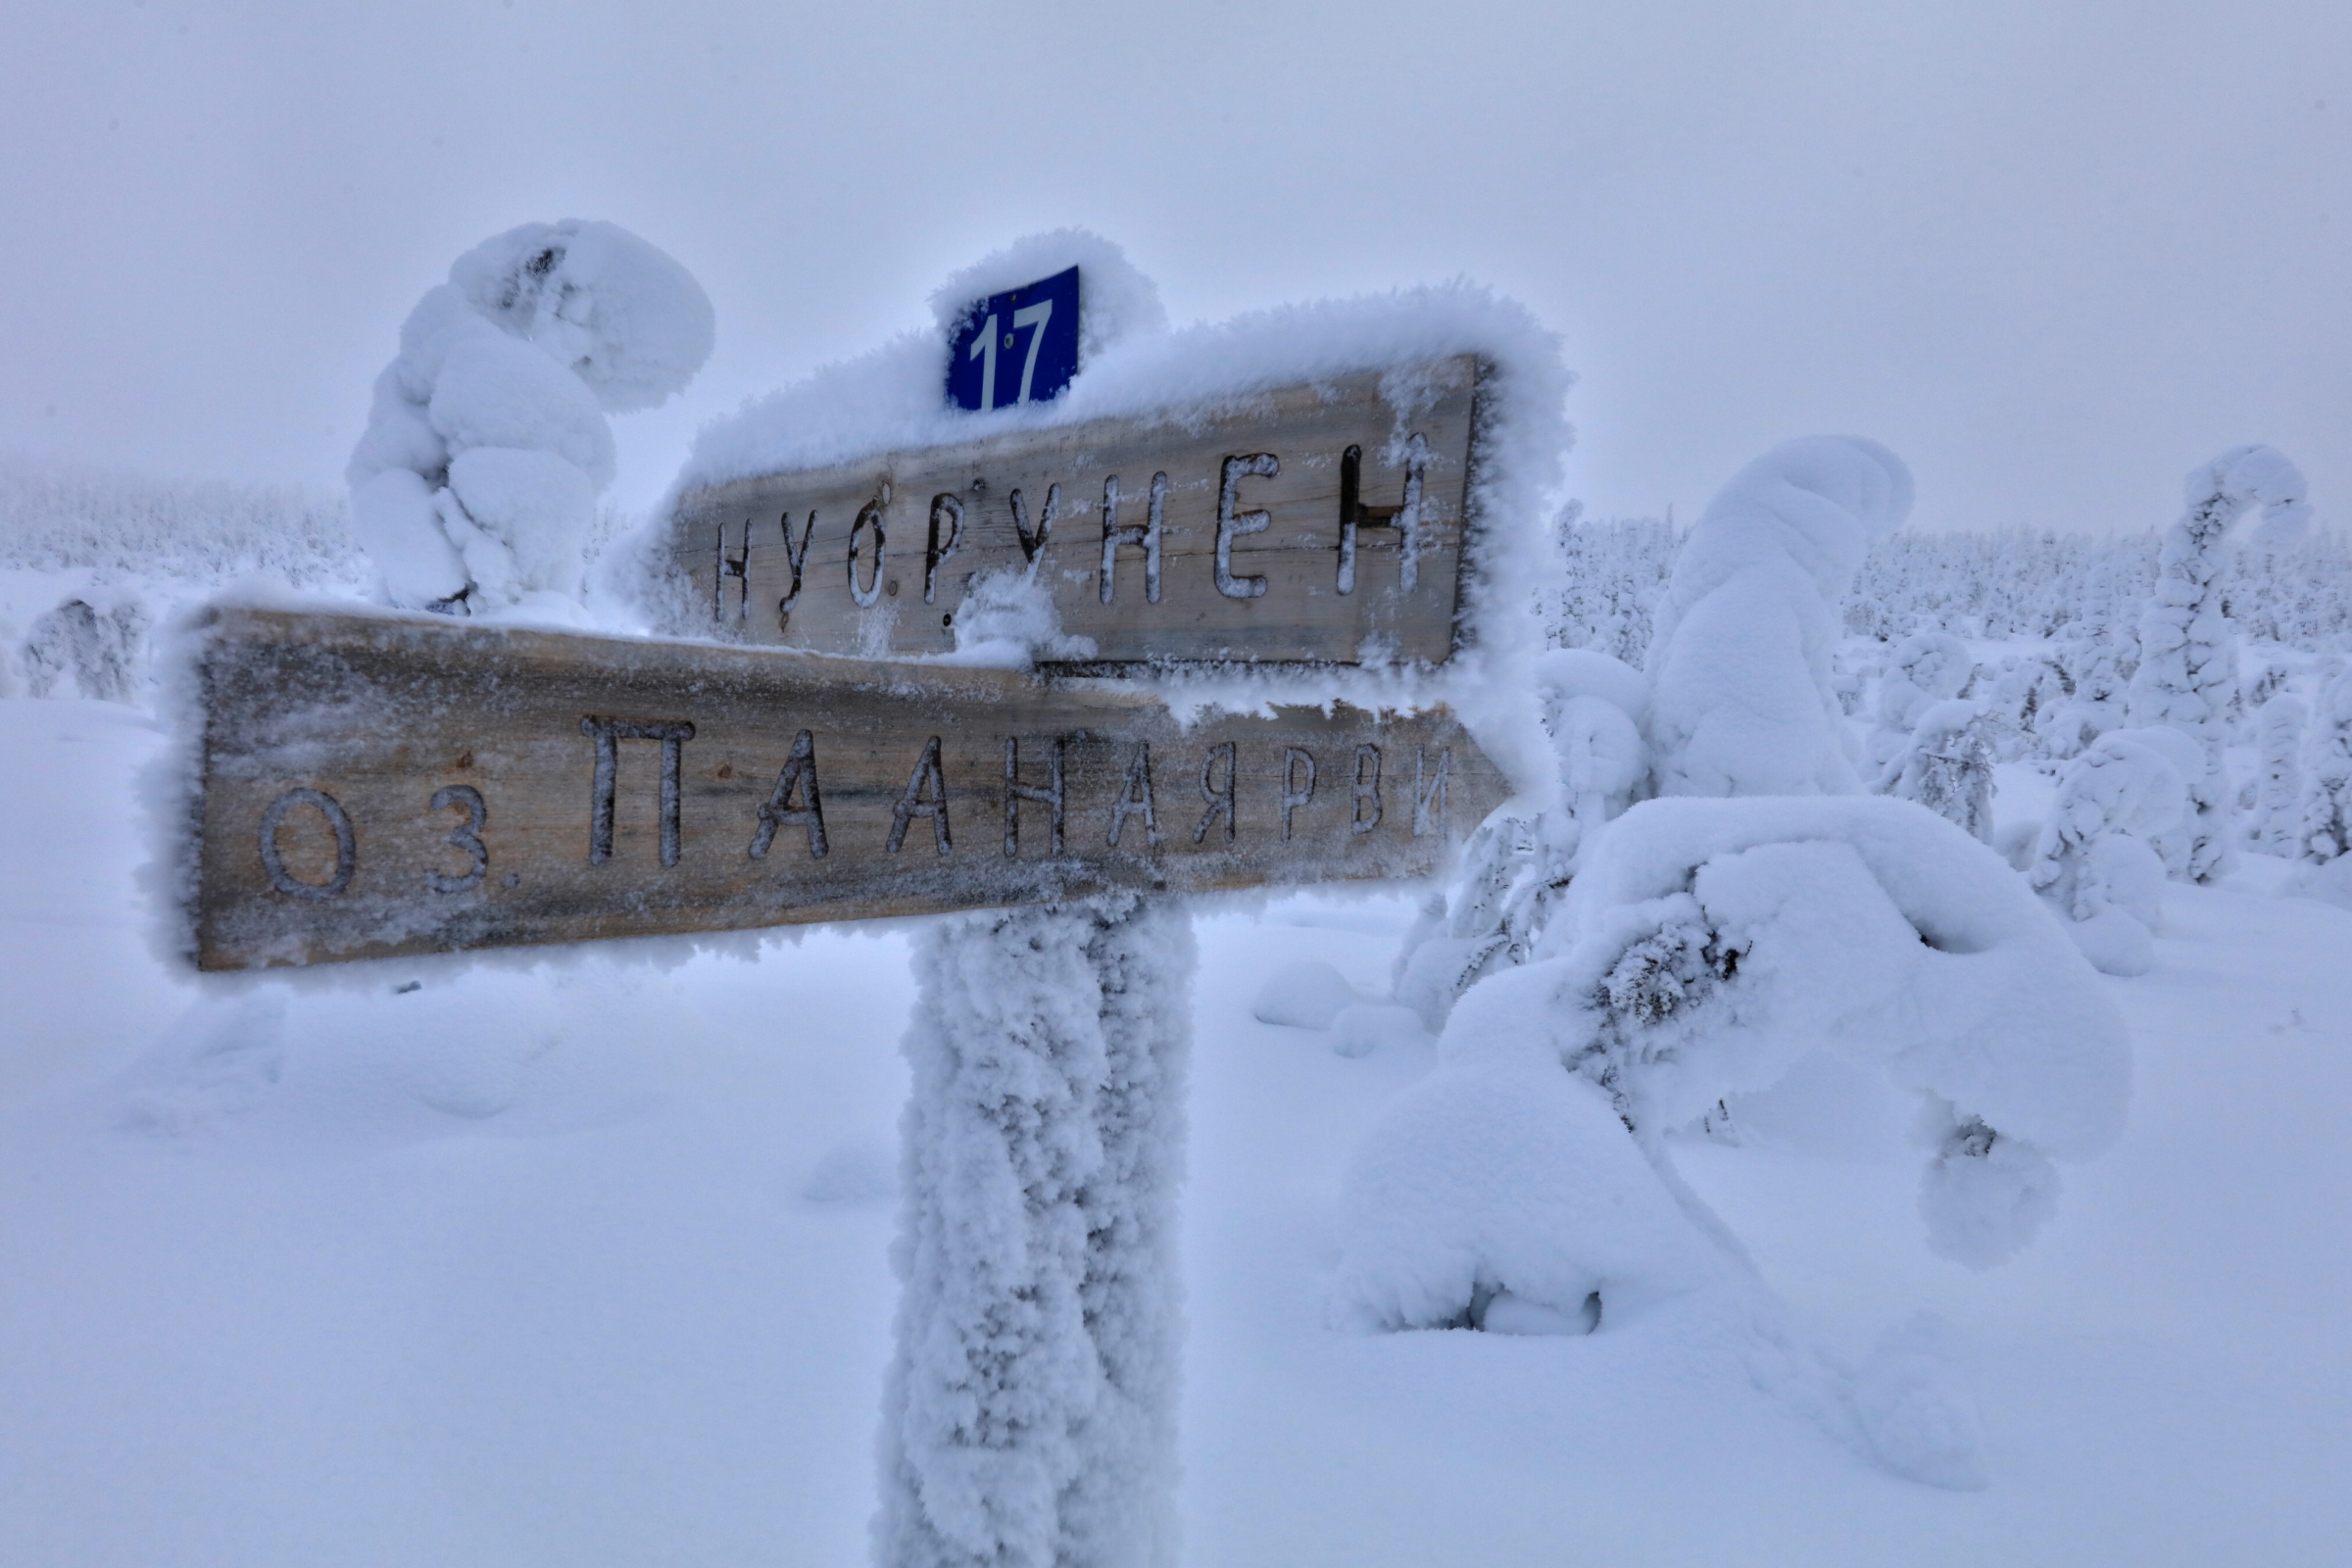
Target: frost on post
column 474, row 486
column 2187, row 674
column 1031, row 1408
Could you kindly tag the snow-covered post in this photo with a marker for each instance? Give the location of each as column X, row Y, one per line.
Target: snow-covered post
column 2187, row 671
column 1030, row 1418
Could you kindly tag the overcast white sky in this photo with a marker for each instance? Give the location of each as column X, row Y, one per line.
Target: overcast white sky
column 2053, row 254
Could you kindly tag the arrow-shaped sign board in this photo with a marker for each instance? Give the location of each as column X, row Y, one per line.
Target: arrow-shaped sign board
column 1324, row 522
column 375, row 786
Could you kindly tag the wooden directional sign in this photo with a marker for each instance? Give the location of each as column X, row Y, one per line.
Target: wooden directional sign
column 372, row 785
column 1323, row 522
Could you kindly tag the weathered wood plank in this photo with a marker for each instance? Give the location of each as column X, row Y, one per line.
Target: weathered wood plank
column 1296, row 585
column 374, row 786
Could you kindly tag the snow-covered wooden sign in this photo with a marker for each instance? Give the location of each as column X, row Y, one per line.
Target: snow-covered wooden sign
column 1322, row 522
column 372, row 785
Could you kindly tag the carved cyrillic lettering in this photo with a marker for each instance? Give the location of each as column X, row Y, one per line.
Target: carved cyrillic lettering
column 346, row 845
column 944, row 505
column 1295, row 792
column 800, row 772
column 1050, row 796
column 913, row 803
column 1353, row 513
column 607, row 734
column 795, row 556
column 1031, row 543
column 466, row 836
column 1135, row 798
column 1425, row 818
column 1147, row 535
column 1409, row 516
column 1231, row 525
column 736, row 565
column 1364, row 790
column 1220, row 801
column 870, row 515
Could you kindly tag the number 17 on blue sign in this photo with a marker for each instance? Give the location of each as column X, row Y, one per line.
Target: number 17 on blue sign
column 1020, row 346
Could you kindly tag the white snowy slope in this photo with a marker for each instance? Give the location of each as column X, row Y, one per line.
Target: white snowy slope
column 588, row 1265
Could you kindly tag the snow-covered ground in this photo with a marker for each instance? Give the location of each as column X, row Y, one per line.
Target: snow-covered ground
column 588, row 1265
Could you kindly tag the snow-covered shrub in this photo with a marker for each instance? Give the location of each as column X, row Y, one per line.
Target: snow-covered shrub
column 2094, row 860
column 2026, row 700
column 2324, row 832
column 2094, row 672
column 1924, row 668
column 475, row 482
column 1613, row 573
column 75, row 650
column 2187, row 676
column 1947, row 767
column 1513, row 869
column 2279, row 794
column 1741, row 701
column 1707, row 947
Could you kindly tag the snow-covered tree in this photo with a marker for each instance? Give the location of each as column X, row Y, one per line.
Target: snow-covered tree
column 1924, row 668
column 1741, row 694
column 1949, row 767
column 2278, row 798
column 2325, row 829
column 2025, row 703
column 474, row 485
column 2187, row 676
column 1706, row 947
column 1514, row 868
column 2096, row 702
column 2095, row 861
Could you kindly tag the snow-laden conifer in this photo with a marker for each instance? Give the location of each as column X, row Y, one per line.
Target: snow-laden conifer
column 2187, row 675
column 2324, row 832
column 1948, row 766
column 1741, row 697
column 2278, row 795
column 1514, row 868
column 2094, row 860
column 1924, row 668
column 474, row 485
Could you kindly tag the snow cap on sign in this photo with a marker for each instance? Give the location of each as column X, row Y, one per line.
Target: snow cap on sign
column 1116, row 301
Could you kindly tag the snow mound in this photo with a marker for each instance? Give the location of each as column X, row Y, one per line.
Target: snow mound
column 1304, row 995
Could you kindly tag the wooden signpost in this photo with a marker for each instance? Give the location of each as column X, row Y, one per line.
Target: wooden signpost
column 375, row 786
column 1321, row 522
column 380, row 786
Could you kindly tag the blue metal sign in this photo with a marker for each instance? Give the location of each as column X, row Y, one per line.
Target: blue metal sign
column 1020, row 346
